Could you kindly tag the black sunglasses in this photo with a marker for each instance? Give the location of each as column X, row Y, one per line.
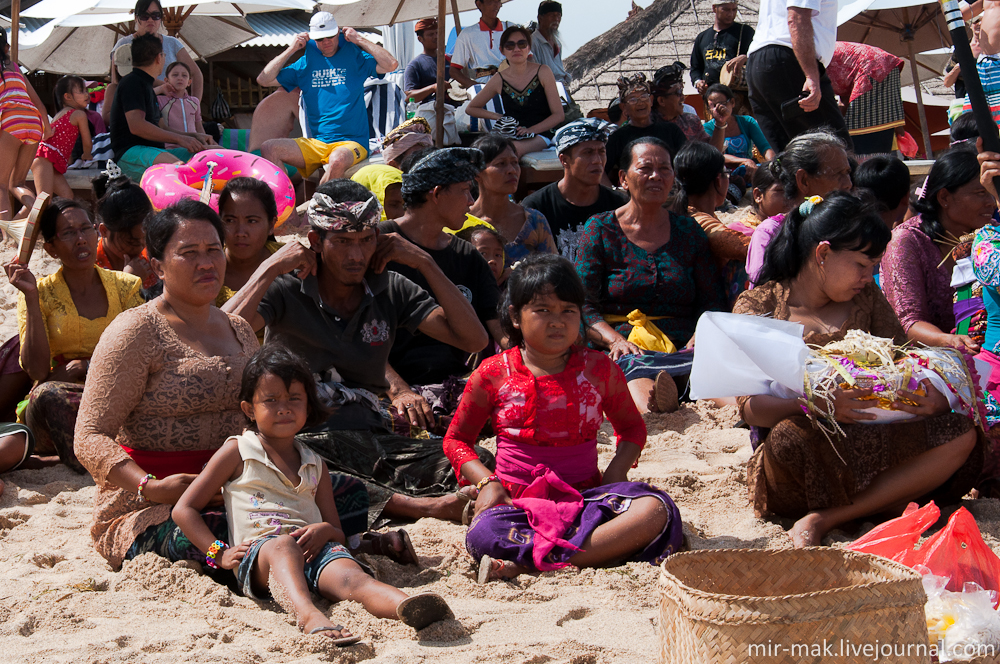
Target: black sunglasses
column 520, row 43
column 146, row 16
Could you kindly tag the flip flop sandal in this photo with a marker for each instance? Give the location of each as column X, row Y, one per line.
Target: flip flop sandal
column 381, row 547
column 422, row 610
column 665, row 394
column 342, row 641
column 487, row 572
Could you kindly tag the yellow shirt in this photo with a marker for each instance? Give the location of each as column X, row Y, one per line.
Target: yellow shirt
column 70, row 334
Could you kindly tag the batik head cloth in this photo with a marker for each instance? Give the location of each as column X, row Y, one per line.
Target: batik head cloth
column 414, row 132
column 579, row 131
column 442, row 168
column 326, row 214
column 634, row 83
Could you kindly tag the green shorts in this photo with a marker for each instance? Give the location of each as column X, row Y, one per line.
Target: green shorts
column 138, row 158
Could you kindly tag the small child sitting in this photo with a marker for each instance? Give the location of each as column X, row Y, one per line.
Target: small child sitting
column 489, row 243
column 279, row 503
column 180, row 111
column 53, row 155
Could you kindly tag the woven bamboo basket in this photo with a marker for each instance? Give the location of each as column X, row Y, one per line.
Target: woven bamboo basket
column 804, row 605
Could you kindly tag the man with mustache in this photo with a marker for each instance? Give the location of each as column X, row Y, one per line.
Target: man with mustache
column 342, row 313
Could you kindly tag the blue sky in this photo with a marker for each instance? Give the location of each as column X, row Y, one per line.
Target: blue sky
column 582, row 19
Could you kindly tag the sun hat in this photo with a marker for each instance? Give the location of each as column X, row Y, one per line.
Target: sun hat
column 323, row 24
column 123, row 59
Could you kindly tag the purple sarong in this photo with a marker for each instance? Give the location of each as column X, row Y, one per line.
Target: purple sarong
column 503, row 532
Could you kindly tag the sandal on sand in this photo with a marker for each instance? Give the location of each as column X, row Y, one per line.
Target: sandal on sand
column 342, row 641
column 421, row 610
column 382, row 547
column 491, row 569
column 665, row 395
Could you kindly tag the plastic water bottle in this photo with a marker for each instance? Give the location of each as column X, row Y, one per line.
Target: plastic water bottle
column 411, row 108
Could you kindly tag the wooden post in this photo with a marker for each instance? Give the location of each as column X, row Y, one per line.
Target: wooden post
column 15, row 20
column 439, row 98
column 458, row 21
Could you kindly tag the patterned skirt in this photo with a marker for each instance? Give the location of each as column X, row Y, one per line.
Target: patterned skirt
column 878, row 109
column 503, row 532
column 796, row 470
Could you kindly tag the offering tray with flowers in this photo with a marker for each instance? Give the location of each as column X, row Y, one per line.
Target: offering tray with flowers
column 890, row 371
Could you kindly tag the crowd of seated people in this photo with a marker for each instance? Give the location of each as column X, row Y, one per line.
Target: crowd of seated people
column 425, row 308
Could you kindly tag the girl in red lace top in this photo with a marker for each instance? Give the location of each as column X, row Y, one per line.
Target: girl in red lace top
column 548, row 504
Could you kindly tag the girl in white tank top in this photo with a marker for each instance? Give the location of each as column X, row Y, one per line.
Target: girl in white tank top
column 283, row 522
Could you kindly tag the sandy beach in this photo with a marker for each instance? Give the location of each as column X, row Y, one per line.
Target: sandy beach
column 61, row 602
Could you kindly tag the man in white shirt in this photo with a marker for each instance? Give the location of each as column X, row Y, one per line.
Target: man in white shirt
column 790, row 92
column 477, row 48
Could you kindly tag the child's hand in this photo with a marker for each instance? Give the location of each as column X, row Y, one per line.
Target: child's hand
column 138, row 266
column 231, row 557
column 491, row 495
column 313, row 537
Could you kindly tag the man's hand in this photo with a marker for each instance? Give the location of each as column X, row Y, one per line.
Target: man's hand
column 811, row 103
column 299, row 42
column 190, row 143
column 138, row 266
column 351, row 35
column 394, row 248
column 414, row 408
column 294, row 257
column 736, row 63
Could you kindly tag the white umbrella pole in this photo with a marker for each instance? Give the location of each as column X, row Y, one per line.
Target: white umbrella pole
column 920, row 103
column 439, row 99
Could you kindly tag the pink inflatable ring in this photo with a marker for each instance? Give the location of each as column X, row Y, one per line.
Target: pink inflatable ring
column 166, row 184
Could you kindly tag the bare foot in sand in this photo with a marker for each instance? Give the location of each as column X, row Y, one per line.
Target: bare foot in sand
column 317, row 623
column 808, row 531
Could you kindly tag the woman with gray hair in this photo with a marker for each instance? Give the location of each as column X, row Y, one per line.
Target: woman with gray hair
column 812, row 164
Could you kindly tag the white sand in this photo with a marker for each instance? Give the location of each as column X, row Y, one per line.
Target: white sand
column 61, row 602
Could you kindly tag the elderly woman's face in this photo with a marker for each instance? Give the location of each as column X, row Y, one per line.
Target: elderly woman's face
column 501, row 174
column 637, row 105
column 194, row 263
column 650, row 176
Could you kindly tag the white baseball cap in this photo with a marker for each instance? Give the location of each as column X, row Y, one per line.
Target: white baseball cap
column 123, row 59
column 323, row 24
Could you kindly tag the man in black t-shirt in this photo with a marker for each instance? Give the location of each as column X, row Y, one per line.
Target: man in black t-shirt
column 137, row 136
column 341, row 314
column 726, row 40
column 436, row 196
column 582, row 153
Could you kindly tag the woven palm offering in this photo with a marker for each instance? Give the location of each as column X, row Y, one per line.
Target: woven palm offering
column 863, row 361
column 818, row 604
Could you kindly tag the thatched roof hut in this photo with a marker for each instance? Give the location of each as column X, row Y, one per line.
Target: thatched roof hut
column 655, row 36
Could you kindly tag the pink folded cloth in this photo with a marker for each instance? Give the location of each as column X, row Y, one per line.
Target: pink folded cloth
column 552, row 507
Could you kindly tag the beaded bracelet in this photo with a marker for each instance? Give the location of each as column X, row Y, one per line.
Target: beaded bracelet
column 486, row 480
column 218, row 546
column 142, row 485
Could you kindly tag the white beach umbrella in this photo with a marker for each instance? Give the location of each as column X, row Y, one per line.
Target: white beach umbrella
column 901, row 27
column 180, row 8
column 82, row 44
column 389, row 12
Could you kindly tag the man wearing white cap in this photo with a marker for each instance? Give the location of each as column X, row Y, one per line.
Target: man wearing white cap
column 331, row 75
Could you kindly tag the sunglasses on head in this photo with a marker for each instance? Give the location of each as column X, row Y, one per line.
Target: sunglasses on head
column 147, row 16
column 520, row 43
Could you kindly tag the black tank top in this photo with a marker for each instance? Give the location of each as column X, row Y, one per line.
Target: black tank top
column 528, row 106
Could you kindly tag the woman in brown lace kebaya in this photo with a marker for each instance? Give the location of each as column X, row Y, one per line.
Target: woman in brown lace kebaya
column 818, row 272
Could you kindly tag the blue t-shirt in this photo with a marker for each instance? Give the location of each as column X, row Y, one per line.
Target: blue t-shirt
column 333, row 91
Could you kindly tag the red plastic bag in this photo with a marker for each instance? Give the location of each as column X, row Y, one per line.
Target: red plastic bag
column 907, row 145
column 957, row 551
column 896, row 539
